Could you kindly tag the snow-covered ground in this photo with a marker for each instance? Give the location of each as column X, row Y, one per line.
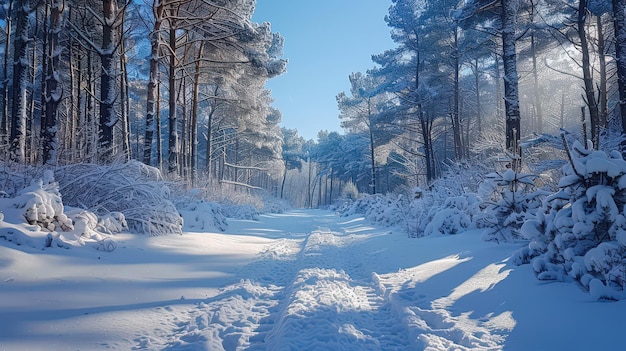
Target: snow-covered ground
column 306, row 279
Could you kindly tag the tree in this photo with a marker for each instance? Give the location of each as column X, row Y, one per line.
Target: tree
column 403, row 73
column 511, row 90
column 592, row 103
column 360, row 112
column 4, row 95
column 108, row 79
column 17, row 137
column 53, row 84
column 505, row 12
column 292, row 154
column 619, row 17
column 158, row 8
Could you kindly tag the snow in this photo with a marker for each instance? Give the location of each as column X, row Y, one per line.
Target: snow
column 305, row 280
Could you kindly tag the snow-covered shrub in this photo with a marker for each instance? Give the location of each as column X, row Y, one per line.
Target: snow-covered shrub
column 456, row 214
column 203, row 215
column 133, row 189
column 452, row 218
column 349, row 192
column 273, row 204
column 581, row 230
column 112, row 223
column 41, row 203
column 386, row 210
column 418, row 213
column 37, row 217
column 516, row 202
column 231, row 210
column 459, row 179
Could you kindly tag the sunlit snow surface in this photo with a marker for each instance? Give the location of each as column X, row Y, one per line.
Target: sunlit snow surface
column 304, row 280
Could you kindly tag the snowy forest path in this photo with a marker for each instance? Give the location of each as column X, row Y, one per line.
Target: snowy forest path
column 310, row 289
column 326, row 282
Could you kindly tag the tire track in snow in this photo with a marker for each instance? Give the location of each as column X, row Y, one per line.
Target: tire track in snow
column 236, row 317
column 325, row 308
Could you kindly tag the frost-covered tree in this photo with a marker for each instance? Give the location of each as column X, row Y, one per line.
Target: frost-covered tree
column 214, row 54
column 505, row 14
column 158, row 9
column 110, row 21
column 53, row 84
column 619, row 18
column 292, row 153
column 17, row 138
column 361, row 111
column 404, row 73
column 516, row 200
column 7, row 15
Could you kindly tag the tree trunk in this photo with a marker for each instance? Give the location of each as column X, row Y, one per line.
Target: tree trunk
column 425, row 127
column 158, row 7
column 124, row 98
column 31, row 154
column 479, row 119
column 54, row 89
column 456, row 119
column 590, row 95
column 619, row 15
column 159, row 136
column 511, row 91
column 184, row 152
column 4, row 120
column 372, row 147
column 173, row 122
column 209, row 143
column 603, row 93
column 194, row 117
column 71, row 138
column 91, row 129
column 282, row 184
column 330, row 193
column 20, row 82
column 499, row 97
column 537, row 93
column 108, row 117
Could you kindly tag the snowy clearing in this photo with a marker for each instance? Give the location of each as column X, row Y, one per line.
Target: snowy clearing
column 305, row 279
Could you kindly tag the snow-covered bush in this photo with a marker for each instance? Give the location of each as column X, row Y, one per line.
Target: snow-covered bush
column 272, row 204
column 386, row 210
column 516, row 201
column 581, row 230
column 203, row 215
column 419, row 213
column 349, row 192
column 41, row 204
column 36, row 217
column 453, row 217
column 231, row 210
column 133, row 189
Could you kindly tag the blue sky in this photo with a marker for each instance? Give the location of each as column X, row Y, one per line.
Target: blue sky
column 325, row 40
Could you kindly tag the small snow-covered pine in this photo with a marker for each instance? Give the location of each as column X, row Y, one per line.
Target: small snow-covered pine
column 580, row 231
